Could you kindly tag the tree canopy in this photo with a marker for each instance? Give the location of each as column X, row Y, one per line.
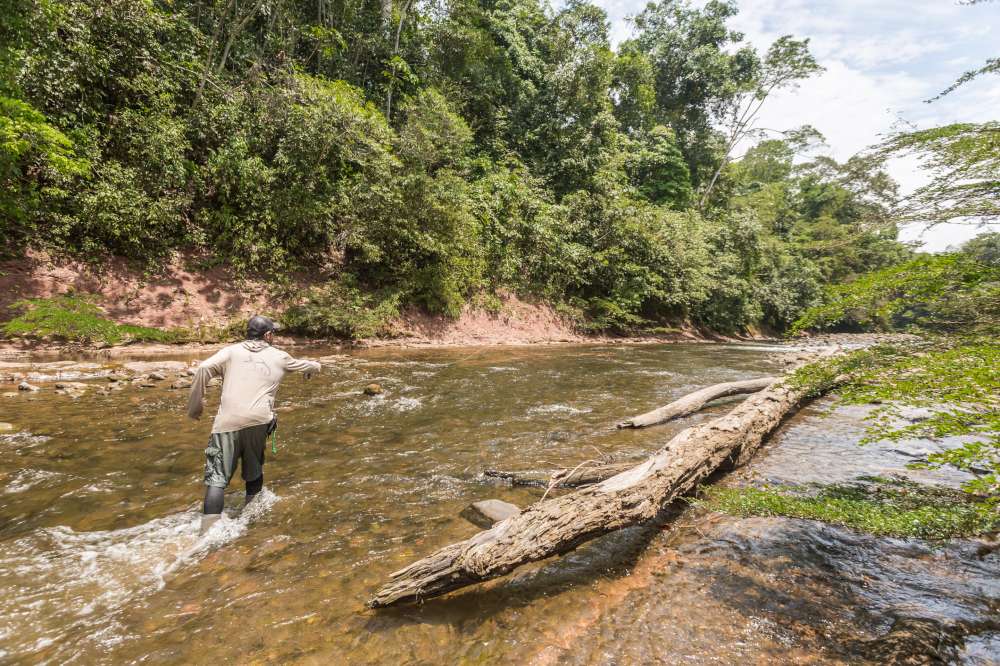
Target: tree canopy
column 425, row 152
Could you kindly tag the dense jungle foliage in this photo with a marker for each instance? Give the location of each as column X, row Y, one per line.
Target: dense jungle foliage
column 423, row 153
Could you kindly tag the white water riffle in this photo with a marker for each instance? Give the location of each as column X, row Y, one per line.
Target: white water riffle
column 83, row 578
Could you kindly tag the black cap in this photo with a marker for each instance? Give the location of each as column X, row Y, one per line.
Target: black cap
column 258, row 326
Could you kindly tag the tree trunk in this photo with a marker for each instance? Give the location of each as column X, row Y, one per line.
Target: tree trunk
column 692, row 402
column 560, row 524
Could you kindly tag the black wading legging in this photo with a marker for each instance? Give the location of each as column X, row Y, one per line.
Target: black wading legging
column 214, row 496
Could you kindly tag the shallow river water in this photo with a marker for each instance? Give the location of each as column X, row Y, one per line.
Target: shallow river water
column 101, row 562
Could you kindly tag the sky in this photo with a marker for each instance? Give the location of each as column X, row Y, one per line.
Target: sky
column 882, row 59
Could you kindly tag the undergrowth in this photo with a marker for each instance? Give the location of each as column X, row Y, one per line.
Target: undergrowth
column 77, row 319
column 342, row 310
column 889, row 507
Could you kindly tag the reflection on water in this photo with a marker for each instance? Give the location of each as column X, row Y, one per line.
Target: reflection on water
column 100, row 560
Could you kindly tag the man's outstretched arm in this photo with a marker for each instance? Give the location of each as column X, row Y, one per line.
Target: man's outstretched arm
column 212, row 367
column 302, row 365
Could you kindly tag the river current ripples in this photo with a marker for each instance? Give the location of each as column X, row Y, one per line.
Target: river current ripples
column 101, row 561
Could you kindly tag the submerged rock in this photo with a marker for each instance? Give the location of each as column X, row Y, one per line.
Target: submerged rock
column 486, row 513
column 25, row 386
column 181, row 384
column 373, row 389
column 72, row 386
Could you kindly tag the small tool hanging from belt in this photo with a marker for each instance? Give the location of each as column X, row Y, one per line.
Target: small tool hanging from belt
column 272, row 430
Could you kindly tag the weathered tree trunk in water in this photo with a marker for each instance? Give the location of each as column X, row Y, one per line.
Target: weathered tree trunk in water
column 692, row 402
column 560, row 524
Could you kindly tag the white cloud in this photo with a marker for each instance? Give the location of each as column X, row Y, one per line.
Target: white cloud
column 851, row 108
column 882, row 59
column 941, row 237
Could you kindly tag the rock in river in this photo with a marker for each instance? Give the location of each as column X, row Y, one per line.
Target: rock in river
column 373, row 389
column 487, row 513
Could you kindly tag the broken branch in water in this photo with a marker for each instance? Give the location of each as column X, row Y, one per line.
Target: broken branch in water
column 595, row 472
column 585, row 474
column 692, row 402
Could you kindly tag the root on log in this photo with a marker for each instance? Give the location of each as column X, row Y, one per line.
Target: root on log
column 560, row 524
column 692, row 402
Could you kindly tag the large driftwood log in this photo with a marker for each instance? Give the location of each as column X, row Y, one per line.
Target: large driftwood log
column 692, row 402
column 560, row 524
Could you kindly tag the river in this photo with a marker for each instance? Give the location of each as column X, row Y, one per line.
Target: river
column 101, row 562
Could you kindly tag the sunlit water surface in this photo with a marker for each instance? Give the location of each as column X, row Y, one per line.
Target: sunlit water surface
column 101, row 562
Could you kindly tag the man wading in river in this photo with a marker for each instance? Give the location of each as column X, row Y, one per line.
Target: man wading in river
column 251, row 372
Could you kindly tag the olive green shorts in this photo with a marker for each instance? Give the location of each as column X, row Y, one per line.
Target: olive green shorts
column 226, row 448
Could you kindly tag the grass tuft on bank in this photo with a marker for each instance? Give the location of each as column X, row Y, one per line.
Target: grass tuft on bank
column 887, row 507
column 77, row 319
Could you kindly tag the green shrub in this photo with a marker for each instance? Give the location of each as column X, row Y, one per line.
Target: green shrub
column 35, row 160
column 878, row 506
column 943, row 293
column 341, row 310
column 78, row 319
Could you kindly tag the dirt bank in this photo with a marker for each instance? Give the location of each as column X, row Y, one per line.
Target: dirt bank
column 184, row 297
column 178, row 296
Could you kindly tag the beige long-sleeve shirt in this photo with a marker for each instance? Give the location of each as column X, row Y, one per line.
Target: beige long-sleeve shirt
column 251, row 372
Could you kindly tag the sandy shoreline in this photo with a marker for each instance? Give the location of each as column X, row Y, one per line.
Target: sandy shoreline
column 11, row 350
column 22, row 350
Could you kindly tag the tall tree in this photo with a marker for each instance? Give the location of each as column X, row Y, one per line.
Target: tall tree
column 698, row 67
column 786, row 63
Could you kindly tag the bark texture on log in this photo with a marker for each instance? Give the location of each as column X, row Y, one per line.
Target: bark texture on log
column 560, row 524
column 692, row 402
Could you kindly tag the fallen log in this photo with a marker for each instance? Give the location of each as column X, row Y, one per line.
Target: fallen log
column 563, row 478
column 599, row 471
column 514, row 478
column 560, row 524
column 692, row 402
